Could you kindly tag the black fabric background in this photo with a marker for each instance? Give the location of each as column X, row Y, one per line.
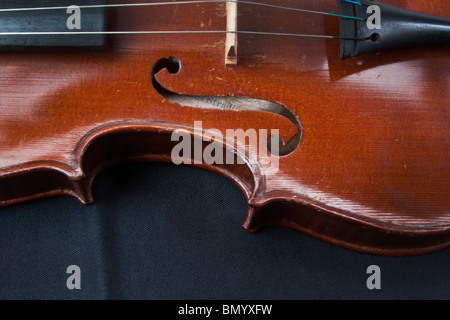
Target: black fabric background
column 160, row 231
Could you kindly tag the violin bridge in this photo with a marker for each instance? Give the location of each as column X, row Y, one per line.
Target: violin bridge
column 231, row 37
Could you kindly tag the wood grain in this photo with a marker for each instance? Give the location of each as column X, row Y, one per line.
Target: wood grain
column 371, row 173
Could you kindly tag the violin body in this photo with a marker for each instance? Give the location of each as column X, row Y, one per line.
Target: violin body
column 371, row 170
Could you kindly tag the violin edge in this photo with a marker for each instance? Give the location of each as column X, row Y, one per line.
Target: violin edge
column 346, row 231
column 99, row 150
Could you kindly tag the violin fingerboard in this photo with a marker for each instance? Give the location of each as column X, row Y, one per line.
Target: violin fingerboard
column 26, row 29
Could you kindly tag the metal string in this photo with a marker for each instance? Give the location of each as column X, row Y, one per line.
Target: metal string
column 179, row 31
column 176, row 32
column 183, row 2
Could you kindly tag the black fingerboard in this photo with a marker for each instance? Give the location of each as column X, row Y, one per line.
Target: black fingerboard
column 81, row 19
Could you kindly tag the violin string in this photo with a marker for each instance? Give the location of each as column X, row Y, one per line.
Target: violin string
column 177, row 32
column 354, row 2
column 186, row 2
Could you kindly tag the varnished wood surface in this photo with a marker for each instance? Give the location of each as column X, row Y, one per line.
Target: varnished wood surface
column 372, row 170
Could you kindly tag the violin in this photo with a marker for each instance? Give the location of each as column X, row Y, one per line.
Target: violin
column 331, row 116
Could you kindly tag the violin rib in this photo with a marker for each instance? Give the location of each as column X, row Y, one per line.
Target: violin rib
column 367, row 137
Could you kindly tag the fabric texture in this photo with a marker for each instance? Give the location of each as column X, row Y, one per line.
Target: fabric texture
column 160, row 231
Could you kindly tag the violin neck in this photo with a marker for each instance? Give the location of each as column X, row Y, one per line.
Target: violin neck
column 68, row 18
column 397, row 28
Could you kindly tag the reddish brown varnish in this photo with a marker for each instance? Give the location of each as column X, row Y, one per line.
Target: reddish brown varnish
column 372, row 172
